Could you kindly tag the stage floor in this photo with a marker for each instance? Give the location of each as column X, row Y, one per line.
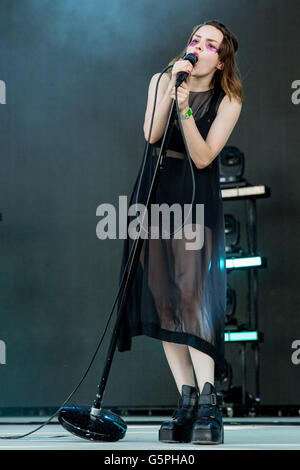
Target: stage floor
column 142, row 434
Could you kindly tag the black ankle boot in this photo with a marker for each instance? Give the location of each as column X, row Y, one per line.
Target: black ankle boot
column 208, row 425
column 179, row 429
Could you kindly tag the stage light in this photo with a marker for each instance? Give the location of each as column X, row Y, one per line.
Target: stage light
column 245, row 262
column 241, row 336
column 255, row 191
column 232, row 234
column 231, row 167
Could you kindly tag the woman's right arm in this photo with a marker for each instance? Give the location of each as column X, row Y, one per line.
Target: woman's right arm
column 163, row 101
column 162, row 109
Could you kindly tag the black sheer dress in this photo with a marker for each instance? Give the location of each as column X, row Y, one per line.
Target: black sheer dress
column 179, row 294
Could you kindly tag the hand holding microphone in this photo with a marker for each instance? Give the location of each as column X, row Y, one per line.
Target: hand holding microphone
column 180, row 79
column 190, row 59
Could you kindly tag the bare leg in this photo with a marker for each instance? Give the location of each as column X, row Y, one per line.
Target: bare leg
column 180, row 363
column 191, row 270
column 204, row 367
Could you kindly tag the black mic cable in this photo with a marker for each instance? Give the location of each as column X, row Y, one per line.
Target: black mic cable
column 121, row 284
column 100, row 342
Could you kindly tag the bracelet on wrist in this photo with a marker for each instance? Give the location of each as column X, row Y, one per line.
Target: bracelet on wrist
column 187, row 115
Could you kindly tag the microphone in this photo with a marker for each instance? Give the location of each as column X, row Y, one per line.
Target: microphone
column 181, row 76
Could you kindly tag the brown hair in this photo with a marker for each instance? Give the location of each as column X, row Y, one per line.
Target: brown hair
column 228, row 78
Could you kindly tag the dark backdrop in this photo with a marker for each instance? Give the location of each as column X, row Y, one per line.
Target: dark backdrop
column 76, row 77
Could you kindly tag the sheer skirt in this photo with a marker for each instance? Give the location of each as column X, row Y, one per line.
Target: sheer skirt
column 176, row 278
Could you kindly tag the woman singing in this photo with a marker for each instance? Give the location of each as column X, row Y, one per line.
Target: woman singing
column 178, row 294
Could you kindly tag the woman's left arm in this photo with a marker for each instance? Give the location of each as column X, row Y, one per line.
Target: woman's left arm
column 204, row 151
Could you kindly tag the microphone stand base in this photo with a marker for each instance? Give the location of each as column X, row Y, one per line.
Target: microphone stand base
column 92, row 424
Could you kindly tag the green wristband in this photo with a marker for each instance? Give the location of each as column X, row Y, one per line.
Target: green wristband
column 187, row 114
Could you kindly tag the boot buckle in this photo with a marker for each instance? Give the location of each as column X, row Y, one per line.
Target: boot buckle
column 213, row 399
column 210, row 399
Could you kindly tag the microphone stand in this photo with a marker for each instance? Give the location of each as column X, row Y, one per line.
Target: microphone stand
column 96, row 423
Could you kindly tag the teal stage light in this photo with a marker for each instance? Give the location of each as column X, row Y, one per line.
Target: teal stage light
column 242, row 336
column 244, row 262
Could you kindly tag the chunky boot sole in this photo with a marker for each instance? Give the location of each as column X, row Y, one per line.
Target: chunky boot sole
column 180, row 428
column 207, row 436
column 175, row 435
